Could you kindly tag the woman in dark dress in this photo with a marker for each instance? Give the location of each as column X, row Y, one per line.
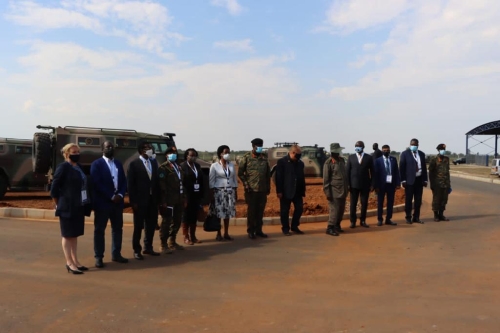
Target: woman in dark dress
column 195, row 191
column 70, row 194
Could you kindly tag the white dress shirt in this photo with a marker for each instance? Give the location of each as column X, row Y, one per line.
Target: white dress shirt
column 114, row 172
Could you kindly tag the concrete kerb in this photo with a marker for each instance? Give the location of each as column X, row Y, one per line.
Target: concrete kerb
column 128, row 218
column 48, row 214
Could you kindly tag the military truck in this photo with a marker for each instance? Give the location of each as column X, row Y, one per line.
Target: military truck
column 41, row 155
column 313, row 157
column 16, row 166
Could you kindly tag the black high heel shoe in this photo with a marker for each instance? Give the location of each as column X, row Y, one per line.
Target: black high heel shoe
column 74, row 271
column 82, row 268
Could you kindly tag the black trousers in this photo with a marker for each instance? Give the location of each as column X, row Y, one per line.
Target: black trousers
column 101, row 217
column 363, row 194
column 414, row 193
column 388, row 191
column 145, row 217
column 298, row 208
column 256, row 203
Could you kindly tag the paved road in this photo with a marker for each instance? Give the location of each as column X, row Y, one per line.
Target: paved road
column 437, row 277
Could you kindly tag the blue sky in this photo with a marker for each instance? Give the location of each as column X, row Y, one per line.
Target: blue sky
column 226, row 71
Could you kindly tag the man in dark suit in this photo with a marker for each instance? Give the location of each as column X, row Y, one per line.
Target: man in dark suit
column 109, row 187
column 413, row 178
column 143, row 192
column 387, row 180
column 360, row 179
column 376, row 152
column 291, row 187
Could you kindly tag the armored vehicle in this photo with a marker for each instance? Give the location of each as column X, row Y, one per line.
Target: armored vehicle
column 16, row 170
column 313, row 157
column 43, row 153
column 47, row 146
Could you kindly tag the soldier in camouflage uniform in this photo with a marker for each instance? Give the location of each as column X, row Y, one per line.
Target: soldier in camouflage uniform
column 172, row 201
column 335, row 187
column 439, row 175
column 254, row 173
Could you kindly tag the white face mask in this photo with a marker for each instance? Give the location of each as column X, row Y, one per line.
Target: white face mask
column 226, row 157
column 149, row 152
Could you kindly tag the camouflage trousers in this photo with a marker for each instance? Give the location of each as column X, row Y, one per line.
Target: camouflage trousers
column 439, row 198
column 256, row 203
column 170, row 225
column 336, row 213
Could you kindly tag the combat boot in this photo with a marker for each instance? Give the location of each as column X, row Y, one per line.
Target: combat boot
column 436, row 216
column 172, row 244
column 442, row 217
column 338, row 229
column 331, row 231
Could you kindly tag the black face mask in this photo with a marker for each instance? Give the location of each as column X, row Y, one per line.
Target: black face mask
column 74, row 158
column 109, row 153
column 335, row 155
column 298, row 156
column 386, row 153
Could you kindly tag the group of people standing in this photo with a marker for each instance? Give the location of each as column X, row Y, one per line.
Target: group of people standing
column 364, row 173
column 175, row 192
column 172, row 191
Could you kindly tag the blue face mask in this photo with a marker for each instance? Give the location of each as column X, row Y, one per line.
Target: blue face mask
column 441, row 152
column 358, row 149
column 172, row 157
column 258, row 150
column 414, row 148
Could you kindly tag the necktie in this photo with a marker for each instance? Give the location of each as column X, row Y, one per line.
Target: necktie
column 148, row 168
column 387, row 167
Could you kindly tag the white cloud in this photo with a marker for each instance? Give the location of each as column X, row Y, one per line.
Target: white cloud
column 68, row 84
column 232, row 6
column 142, row 24
column 437, row 42
column 244, row 45
column 350, row 15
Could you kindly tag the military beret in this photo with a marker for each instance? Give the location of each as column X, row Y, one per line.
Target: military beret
column 441, row 146
column 257, row 142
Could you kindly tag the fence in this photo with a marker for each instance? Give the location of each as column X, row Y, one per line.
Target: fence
column 478, row 159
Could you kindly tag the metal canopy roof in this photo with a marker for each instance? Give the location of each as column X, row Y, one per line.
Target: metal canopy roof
column 492, row 128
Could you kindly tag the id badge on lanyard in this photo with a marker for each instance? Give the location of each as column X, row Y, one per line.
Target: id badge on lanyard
column 388, row 179
column 84, row 196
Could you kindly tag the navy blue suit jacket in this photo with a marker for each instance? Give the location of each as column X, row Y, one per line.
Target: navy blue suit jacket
column 67, row 188
column 103, row 188
column 381, row 173
column 408, row 167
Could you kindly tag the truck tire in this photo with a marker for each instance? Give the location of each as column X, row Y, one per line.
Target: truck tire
column 42, row 153
column 3, row 186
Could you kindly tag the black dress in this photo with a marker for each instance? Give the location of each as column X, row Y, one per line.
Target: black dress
column 193, row 184
column 68, row 184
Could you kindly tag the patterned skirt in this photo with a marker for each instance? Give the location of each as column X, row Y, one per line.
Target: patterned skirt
column 225, row 203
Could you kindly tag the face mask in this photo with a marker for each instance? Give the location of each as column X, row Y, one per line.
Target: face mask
column 298, row 156
column 358, row 149
column 226, row 157
column 335, row 155
column 258, row 150
column 386, row 153
column 149, row 152
column 413, row 148
column 441, row 152
column 192, row 159
column 153, row 157
column 172, row 157
column 109, row 153
column 74, row 158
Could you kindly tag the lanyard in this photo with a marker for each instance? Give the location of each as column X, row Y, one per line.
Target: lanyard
column 194, row 170
column 227, row 172
column 176, row 170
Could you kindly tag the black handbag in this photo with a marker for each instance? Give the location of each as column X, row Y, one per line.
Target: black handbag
column 212, row 222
